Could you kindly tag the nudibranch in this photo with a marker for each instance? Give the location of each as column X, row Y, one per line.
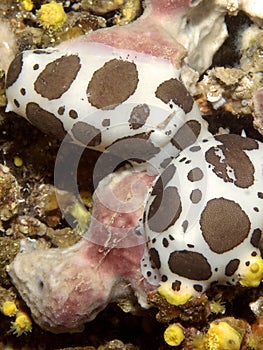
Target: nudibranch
column 201, row 213
column 104, row 97
column 203, row 219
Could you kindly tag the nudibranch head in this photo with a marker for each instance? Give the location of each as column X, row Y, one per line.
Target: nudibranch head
column 203, row 219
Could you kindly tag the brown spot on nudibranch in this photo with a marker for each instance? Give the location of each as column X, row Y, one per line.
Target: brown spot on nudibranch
column 185, row 225
column 41, row 52
column 45, row 121
column 155, row 258
column 174, row 90
column 163, row 179
column 17, row 104
column 14, row 70
column 57, row 77
column 73, row 114
column 112, row 84
column 87, row 134
column 23, row 91
column 256, row 237
column 189, row 264
column 166, row 162
column 195, row 148
column 61, row 110
column 165, row 242
column 231, row 267
column 164, row 210
column 237, row 141
column 136, row 147
column 195, row 174
column 196, row 196
column 138, row 116
column 187, row 134
column 198, row 287
column 224, row 225
column 105, row 122
column 176, row 286
column 230, row 162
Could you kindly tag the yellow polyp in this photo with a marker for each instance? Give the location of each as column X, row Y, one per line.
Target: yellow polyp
column 27, row 5
column 221, row 336
column 129, row 11
column 217, row 307
column 82, row 216
column 51, row 15
column 198, row 341
column 173, row 298
column 21, row 325
column 174, row 335
column 86, row 198
column 253, row 342
column 9, row 308
column 18, row 162
column 253, row 273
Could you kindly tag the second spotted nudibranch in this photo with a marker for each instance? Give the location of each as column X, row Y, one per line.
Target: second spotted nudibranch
column 203, row 219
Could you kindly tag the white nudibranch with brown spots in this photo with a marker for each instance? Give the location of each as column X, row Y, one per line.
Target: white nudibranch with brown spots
column 100, row 95
column 203, row 219
column 203, row 215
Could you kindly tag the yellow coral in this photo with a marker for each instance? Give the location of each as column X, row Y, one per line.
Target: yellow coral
column 51, row 15
column 27, row 5
column 21, row 325
column 173, row 297
column 253, row 273
column 174, row 335
column 221, row 336
column 9, row 308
